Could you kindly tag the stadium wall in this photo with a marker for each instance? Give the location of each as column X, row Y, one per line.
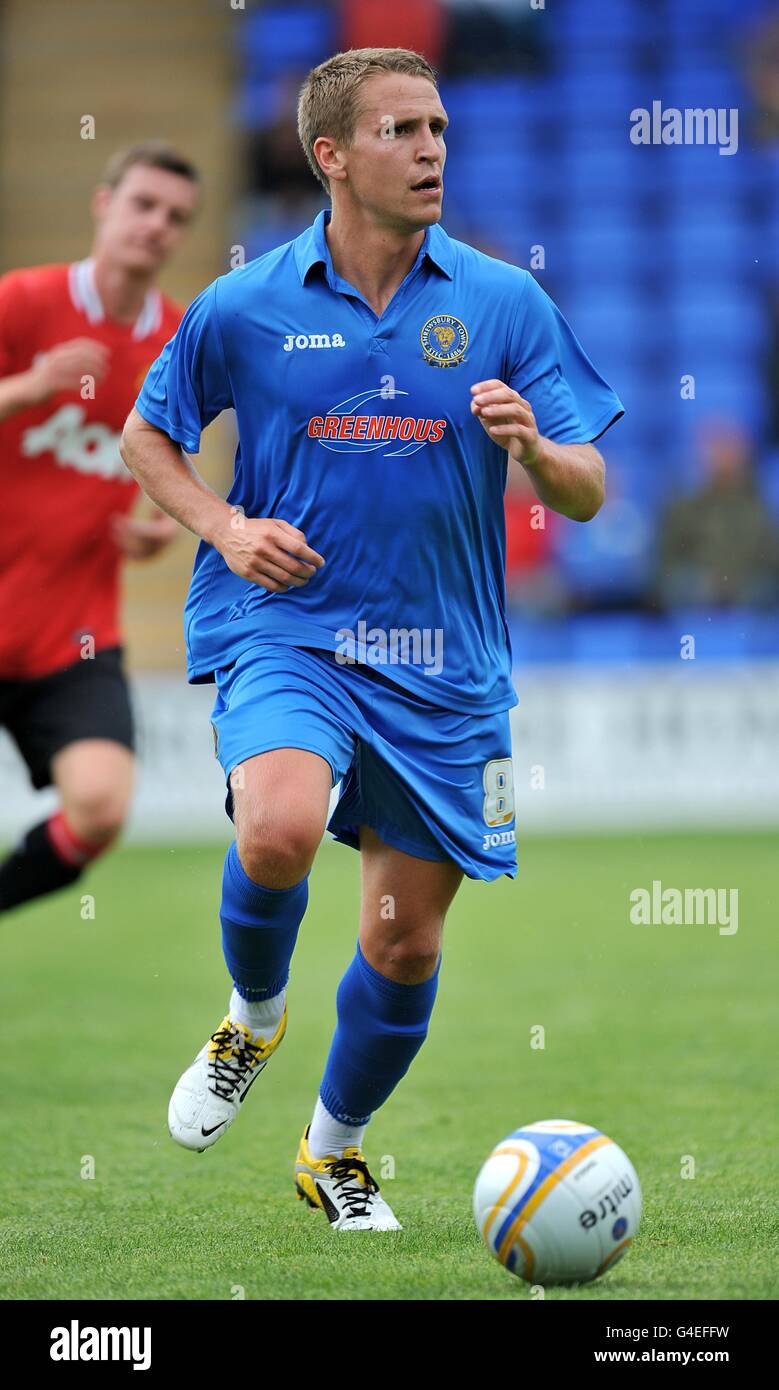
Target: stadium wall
column 597, row 748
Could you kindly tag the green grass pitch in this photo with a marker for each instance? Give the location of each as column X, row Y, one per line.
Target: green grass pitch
column 662, row 1036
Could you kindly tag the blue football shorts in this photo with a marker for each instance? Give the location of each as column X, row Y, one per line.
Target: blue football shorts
column 432, row 782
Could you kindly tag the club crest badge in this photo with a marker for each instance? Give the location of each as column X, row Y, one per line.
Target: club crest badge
column 444, row 340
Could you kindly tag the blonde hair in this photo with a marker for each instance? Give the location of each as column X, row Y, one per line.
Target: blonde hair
column 328, row 98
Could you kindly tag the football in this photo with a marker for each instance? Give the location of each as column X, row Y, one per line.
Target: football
column 557, row 1202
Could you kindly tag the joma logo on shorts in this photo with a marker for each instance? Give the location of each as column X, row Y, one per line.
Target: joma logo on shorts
column 313, row 340
column 498, row 837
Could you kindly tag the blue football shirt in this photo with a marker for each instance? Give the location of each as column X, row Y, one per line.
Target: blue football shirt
column 358, row 430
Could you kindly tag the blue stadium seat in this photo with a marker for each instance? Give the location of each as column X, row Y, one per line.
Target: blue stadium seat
column 722, row 635
column 623, row 638
column 266, row 235
column 616, row 24
column 768, row 477
column 286, row 38
column 701, row 243
column 700, row 171
column 258, row 104
column 725, row 389
column 641, row 411
column 649, row 176
column 606, row 246
column 538, row 641
column 762, row 634
column 602, row 167
column 708, row 311
column 690, row 83
column 632, row 638
column 614, row 322
column 497, row 169
column 472, row 100
column 607, row 86
column 713, row 18
column 597, row 61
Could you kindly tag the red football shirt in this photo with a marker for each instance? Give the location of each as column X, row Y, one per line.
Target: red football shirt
column 61, row 473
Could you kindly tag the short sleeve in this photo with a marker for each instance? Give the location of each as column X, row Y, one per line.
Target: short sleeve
column 188, row 385
column 549, row 367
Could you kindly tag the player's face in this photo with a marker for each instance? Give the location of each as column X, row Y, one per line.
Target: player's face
column 396, row 159
column 141, row 222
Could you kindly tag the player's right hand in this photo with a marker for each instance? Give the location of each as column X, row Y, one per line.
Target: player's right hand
column 63, row 367
column 267, row 551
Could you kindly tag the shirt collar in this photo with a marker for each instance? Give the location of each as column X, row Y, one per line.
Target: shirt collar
column 84, row 295
column 311, row 248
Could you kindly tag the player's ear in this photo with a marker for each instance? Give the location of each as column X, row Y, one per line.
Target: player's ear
column 329, row 158
column 100, row 199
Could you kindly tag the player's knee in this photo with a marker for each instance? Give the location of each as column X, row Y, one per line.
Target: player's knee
column 96, row 814
column 280, row 855
column 408, row 960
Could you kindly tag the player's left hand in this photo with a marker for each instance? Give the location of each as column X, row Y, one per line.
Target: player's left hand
column 507, row 418
column 141, row 538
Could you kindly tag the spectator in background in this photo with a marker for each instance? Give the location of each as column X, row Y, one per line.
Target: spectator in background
column 534, row 585
column 719, row 545
column 763, row 75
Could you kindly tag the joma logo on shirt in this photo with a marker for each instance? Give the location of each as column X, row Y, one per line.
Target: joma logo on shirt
column 92, row 448
column 313, row 340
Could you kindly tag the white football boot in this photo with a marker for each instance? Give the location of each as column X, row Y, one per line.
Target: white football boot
column 209, row 1095
column 343, row 1189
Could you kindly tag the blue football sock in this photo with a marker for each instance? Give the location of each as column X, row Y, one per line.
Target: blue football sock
column 381, row 1026
column 259, row 929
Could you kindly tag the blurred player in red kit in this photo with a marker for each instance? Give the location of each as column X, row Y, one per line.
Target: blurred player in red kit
column 76, row 342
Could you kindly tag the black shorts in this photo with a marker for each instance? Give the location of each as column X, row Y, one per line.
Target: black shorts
column 89, row 699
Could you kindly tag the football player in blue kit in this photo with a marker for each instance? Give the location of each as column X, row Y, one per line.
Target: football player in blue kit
column 348, row 597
